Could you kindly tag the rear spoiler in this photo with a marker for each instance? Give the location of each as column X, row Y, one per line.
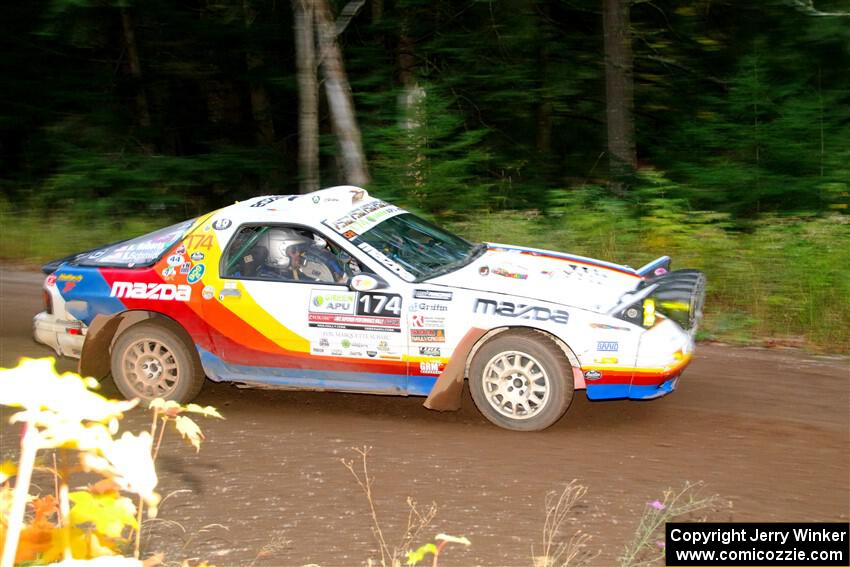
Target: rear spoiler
column 649, row 269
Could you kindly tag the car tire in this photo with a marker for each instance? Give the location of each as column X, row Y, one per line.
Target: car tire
column 521, row 380
column 149, row 361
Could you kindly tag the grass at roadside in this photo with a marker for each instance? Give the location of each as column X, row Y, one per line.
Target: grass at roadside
column 783, row 281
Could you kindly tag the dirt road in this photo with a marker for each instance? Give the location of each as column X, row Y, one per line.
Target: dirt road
column 768, row 431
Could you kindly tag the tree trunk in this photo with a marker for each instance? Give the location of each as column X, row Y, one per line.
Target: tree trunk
column 261, row 107
column 411, row 107
column 340, row 103
column 308, row 96
column 619, row 90
column 544, row 110
column 142, row 112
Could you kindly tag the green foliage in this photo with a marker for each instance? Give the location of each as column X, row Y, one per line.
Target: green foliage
column 782, row 277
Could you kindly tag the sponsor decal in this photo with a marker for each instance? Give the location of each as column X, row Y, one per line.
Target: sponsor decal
column 419, row 320
column 607, row 346
column 428, row 307
column 366, row 216
column 429, row 351
column 504, row 272
column 228, row 292
column 50, row 280
column 592, row 375
column 375, row 254
column 429, row 367
column 336, row 352
column 607, row 360
column 432, row 294
column 324, row 343
column 520, row 311
column 608, row 327
column 483, row 271
column 380, row 304
column 268, row 200
column 316, row 199
column 371, row 353
column 196, row 256
column 208, row 292
column 196, row 274
column 76, row 278
column 180, row 249
column 345, row 321
column 383, row 346
column 195, row 241
column 318, row 350
column 332, row 302
column 350, row 234
column 221, row 224
column 168, row 272
column 175, row 259
column 185, row 267
column 345, row 343
column 139, row 290
column 428, row 335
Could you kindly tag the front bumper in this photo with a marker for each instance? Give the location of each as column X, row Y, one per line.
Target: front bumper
column 64, row 337
column 663, row 354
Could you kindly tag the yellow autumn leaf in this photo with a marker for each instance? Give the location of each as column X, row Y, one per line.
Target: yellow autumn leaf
column 85, row 545
column 189, row 430
column 109, row 513
column 169, row 407
column 207, row 411
column 452, row 539
column 8, row 469
column 36, row 386
column 132, row 466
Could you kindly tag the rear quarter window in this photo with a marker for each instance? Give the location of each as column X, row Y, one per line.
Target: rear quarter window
column 136, row 252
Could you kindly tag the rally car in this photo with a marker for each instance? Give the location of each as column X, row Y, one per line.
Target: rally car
column 337, row 290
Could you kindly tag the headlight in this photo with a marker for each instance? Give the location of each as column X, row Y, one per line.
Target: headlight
column 677, row 295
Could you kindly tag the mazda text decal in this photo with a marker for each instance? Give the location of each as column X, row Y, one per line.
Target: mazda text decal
column 163, row 291
column 520, row 311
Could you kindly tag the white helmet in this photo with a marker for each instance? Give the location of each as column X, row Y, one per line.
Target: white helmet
column 280, row 243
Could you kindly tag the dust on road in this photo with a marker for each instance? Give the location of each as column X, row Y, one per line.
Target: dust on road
column 768, row 431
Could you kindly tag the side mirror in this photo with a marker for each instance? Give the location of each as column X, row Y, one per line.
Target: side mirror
column 367, row 282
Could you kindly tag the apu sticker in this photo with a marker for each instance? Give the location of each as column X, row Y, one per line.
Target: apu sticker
column 221, row 224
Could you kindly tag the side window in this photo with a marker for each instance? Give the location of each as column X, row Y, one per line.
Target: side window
column 283, row 253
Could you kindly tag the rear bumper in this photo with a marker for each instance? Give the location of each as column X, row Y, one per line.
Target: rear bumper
column 64, row 337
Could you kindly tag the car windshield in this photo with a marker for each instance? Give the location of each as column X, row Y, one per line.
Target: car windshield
column 421, row 249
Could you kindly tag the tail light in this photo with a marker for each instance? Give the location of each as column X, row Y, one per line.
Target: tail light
column 48, row 301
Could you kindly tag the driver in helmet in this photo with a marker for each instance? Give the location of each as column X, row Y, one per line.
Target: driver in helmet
column 293, row 255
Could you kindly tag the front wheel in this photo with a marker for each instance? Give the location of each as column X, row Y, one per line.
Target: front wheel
column 152, row 361
column 521, row 380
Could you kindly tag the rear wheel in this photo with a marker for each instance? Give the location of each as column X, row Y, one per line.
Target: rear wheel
column 521, row 380
column 151, row 361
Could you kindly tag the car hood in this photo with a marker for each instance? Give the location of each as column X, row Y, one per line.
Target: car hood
column 545, row 275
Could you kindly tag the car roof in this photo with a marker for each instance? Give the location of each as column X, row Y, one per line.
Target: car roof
column 310, row 209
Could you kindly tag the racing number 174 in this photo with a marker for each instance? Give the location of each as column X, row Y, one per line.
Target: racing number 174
column 379, row 304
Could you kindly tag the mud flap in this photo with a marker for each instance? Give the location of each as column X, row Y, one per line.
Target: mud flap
column 94, row 357
column 447, row 391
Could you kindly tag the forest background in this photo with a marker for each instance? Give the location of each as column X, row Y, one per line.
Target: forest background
column 713, row 131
